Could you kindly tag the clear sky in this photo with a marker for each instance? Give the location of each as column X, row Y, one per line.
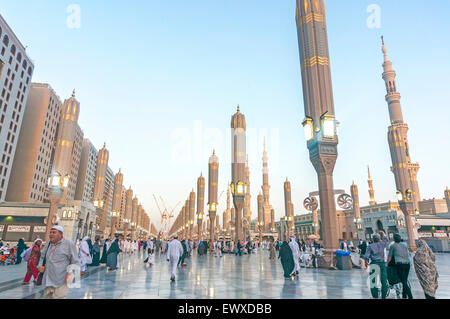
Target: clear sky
column 154, row 77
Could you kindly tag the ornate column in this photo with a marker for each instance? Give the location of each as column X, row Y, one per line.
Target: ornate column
column 200, row 205
column 320, row 122
column 238, row 186
column 191, row 214
column 213, row 179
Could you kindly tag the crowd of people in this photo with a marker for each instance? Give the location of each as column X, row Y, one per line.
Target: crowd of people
column 47, row 262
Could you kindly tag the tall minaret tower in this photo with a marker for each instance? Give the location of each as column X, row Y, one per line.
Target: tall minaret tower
column 447, row 197
column 266, row 188
column 405, row 172
column 65, row 145
column 355, row 197
column 372, row 201
column 320, row 120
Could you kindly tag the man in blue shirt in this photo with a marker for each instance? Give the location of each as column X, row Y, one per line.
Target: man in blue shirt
column 376, row 253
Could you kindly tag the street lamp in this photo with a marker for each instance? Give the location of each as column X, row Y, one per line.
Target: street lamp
column 238, row 189
column 328, row 125
column 114, row 215
column 98, row 203
column 308, row 127
column 57, row 185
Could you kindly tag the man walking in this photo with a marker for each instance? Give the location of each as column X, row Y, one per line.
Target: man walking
column 58, row 255
column 174, row 252
column 376, row 255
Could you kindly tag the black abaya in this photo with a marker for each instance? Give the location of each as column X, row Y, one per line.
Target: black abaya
column 287, row 259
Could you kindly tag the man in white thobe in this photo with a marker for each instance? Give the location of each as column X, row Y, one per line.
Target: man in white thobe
column 85, row 256
column 296, row 254
column 215, row 248
column 174, row 252
column 151, row 251
column 219, row 248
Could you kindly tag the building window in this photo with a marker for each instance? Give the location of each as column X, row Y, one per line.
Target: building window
column 6, row 40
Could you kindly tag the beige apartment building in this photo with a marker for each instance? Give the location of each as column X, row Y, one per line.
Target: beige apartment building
column 86, row 172
column 16, row 70
column 36, row 146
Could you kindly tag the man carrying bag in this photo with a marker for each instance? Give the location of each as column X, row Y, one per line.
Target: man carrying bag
column 59, row 254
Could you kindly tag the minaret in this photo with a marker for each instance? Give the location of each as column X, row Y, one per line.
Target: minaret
column 239, row 154
column 64, row 151
column 320, row 121
column 372, row 201
column 447, row 198
column 405, row 172
column 266, row 188
column 355, row 197
column 200, row 204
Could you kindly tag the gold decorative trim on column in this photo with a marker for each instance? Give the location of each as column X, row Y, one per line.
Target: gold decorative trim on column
column 324, row 61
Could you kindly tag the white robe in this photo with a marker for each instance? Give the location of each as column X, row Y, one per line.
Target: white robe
column 150, row 256
column 174, row 252
column 295, row 253
column 85, row 256
column 219, row 248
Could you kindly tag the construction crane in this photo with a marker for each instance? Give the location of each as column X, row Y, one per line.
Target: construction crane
column 169, row 214
column 166, row 215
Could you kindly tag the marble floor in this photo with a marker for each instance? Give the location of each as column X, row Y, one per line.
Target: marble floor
column 229, row 277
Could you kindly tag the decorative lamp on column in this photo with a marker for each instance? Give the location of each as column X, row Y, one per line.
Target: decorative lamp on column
column 57, row 185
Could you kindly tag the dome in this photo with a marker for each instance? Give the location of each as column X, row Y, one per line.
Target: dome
column 213, row 158
column 238, row 120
